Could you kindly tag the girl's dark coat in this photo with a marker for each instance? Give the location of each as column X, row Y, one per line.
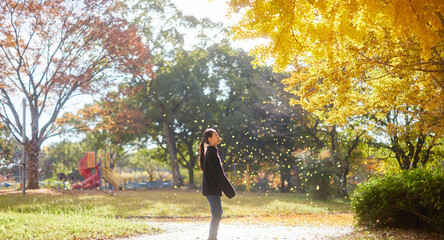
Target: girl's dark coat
column 214, row 179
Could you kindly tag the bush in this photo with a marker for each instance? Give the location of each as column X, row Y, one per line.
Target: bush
column 319, row 179
column 412, row 199
column 54, row 184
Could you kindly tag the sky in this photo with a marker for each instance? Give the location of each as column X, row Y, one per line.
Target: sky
column 216, row 10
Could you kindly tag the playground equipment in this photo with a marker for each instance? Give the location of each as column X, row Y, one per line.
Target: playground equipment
column 103, row 171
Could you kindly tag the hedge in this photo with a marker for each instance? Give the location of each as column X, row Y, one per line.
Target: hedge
column 410, row 199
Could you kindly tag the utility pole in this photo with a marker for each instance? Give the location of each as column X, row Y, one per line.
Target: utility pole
column 24, row 148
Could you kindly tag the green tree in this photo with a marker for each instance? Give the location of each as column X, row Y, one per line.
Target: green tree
column 62, row 157
column 178, row 95
column 7, row 146
column 258, row 126
column 165, row 28
column 151, row 160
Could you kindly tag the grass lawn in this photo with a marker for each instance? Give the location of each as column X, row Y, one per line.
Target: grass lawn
column 45, row 214
column 50, row 214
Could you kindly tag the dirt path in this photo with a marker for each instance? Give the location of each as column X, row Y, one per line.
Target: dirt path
column 198, row 230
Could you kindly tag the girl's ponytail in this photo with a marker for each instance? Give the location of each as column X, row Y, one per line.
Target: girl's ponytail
column 208, row 133
column 201, row 154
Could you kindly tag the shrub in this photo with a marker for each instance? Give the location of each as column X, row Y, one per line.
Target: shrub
column 54, row 184
column 319, row 179
column 412, row 199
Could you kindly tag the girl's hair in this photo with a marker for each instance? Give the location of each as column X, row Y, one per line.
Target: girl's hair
column 208, row 133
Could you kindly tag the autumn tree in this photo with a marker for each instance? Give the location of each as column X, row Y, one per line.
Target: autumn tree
column 409, row 139
column 357, row 58
column 51, row 51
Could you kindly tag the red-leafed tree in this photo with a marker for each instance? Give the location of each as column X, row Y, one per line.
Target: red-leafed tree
column 52, row 50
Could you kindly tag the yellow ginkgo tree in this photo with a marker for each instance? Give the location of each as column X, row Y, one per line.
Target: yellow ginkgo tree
column 372, row 58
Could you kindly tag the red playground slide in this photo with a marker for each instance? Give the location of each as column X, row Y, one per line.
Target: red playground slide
column 92, row 180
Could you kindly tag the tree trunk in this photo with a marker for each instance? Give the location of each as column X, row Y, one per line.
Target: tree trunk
column 191, row 163
column 285, row 177
column 282, row 187
column 191, row 175
column 342, row 186
column 171, row 144
column 401, row 157
column 33, row 151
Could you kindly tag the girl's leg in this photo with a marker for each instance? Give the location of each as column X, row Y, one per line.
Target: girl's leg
column 216, row 215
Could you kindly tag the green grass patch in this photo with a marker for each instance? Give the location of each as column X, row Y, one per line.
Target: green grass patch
column 98, row 214
column 259, row 204
column 66, row 226
column 170, row 203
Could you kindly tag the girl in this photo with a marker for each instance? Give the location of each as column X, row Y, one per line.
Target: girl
column 214, row 179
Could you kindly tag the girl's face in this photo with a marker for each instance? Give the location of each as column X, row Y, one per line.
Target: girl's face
column 214, row 139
